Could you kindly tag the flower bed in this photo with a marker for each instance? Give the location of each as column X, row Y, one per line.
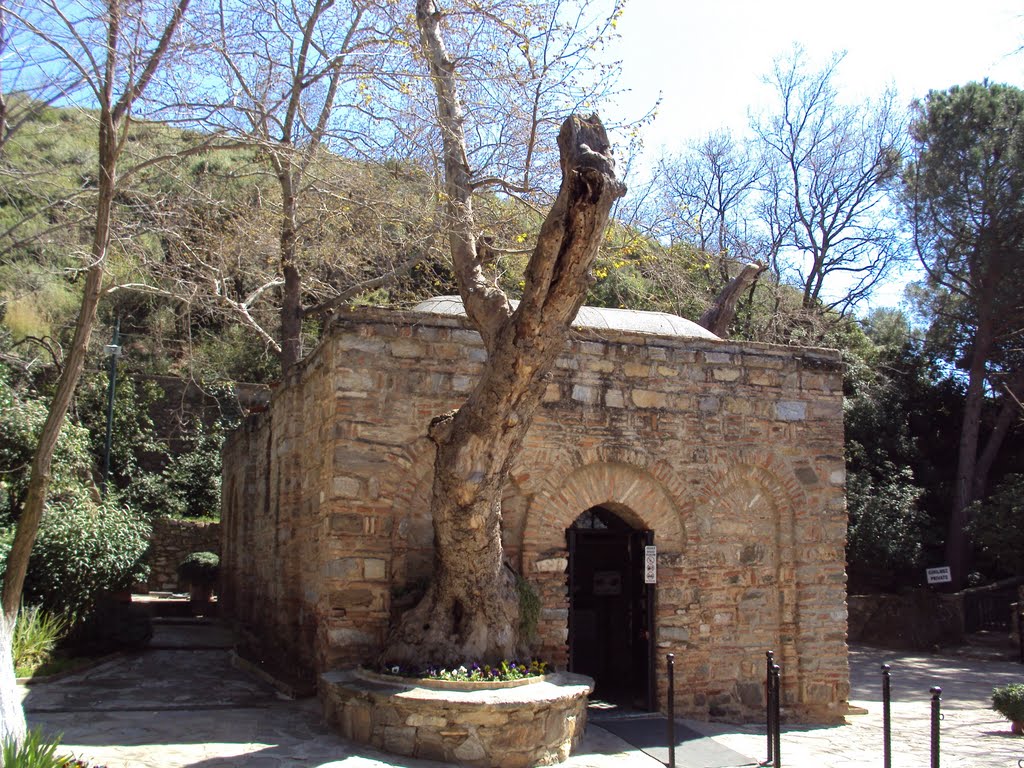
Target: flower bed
column 534, row 720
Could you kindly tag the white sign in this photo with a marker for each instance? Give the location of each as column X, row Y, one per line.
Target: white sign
column 939, row 575
column 650, row 565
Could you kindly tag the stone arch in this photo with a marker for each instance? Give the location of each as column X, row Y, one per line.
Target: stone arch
column 412, row 534
column 622, row 479
column 764, row 469
column 743, row 519
column 642, row 492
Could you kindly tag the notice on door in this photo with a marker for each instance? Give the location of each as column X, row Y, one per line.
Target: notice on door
column 650, row 565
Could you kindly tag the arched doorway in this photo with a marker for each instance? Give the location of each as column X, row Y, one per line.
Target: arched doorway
column 611, row 609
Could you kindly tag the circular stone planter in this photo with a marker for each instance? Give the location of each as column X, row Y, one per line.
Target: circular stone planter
column 533, row 721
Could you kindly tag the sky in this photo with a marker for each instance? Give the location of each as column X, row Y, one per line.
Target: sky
column 707, row 59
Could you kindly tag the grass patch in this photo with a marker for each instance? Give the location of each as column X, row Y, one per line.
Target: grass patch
column 36, row 634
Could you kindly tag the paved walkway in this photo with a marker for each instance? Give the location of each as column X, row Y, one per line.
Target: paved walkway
column 182, row 704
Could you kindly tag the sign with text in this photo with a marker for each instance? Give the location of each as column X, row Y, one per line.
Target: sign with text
column 650, row 565
column 939, row 575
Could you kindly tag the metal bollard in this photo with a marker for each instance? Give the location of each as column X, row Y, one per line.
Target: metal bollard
column 671, row 710
column 886, row 719
column 769, row 703
column 936, row 693
column 1020, row 631
column 777, row 714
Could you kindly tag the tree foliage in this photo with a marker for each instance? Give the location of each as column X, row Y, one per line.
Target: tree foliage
column 85, row 550
column 964, row 195
column 997, row 525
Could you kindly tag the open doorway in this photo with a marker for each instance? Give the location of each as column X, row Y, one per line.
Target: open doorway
column 611, row 609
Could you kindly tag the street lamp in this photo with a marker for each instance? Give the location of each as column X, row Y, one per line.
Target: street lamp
column 113, row 349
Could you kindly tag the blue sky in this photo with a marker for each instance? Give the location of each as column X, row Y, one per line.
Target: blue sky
column 707, row 59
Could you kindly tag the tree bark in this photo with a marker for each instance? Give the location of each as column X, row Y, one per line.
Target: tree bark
column 291, row 300
column 720, row 315
column 112, row 117
column 470, row 611
column 12, row 718
column 958, row 542
column 1009, row 409
column 39, row 479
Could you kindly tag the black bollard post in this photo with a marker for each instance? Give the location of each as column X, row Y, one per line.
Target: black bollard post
column 936, row 693
column 1020, row 630
column 769, row 703
column 777, row 714
column 886, row 719
column 671, row 710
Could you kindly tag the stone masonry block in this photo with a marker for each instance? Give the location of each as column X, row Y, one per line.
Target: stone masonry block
column 726, row 374
column 645, row 398
column 791, row 410
column 613, row 398
column 585, row 394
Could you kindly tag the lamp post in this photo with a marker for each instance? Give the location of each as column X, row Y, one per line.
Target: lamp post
column 113, row 349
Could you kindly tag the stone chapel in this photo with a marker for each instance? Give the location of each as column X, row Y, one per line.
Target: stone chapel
column 676, row 493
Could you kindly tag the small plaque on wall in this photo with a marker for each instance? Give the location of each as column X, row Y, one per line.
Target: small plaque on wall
column 650, row 565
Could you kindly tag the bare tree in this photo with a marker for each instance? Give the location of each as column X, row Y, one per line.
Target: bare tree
column 292, row 80
column 116, row 50
column 828, row 167
column 470, row 610
column 705, row 196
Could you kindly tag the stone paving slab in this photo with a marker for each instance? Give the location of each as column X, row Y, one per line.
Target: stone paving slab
column 169, row 708
column 971, row 734
column 192, row 709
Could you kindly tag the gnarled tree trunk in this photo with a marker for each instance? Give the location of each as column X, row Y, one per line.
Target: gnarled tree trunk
column 720, row 314
column 470, row 611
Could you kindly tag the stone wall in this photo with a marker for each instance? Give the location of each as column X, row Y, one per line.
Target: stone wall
column 171, row 542
column 731, row 453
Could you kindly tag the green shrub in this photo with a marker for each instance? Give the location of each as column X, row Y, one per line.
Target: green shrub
column 133, row 435
column 21, row 420
column 200, row 569
column 883, row 546
column 84, row 550
column 998, row 526
column 193, row 477
column 1008, row 701
column 36, row 634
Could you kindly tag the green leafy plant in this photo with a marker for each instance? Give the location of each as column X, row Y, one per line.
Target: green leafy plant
column 36, row 751
column 36, row 634
column 22, row 414
column 85, row 549
column 1008, row 701
column 193, row 476
column 200, row 569
column 997, row 525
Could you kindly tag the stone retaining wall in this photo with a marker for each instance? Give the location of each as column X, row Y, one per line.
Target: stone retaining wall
column 171, row 542
column 730, row 453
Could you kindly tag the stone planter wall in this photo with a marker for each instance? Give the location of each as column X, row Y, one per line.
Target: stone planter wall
column 524, row 725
